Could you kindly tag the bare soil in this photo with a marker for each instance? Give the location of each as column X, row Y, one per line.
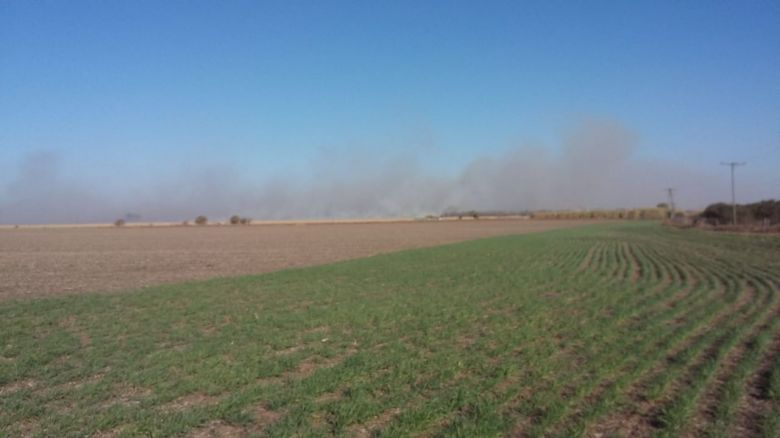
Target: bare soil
column 46, row 261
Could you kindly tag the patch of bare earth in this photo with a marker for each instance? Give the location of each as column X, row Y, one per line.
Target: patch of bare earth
column 78, row 384
column 218, row 429
column 377, row 423
column 44, row 261
column 190, row 401
column 27, row 428
column 127, row 396
column 310, row 365
column 328, row 397
column 262, row 419
column 307, row 367
column 19, row 385
column 111, row 433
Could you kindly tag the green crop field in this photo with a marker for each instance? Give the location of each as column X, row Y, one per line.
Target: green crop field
column 625, row 329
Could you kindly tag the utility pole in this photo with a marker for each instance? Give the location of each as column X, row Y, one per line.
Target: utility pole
column 733, row 164
column 670, row 192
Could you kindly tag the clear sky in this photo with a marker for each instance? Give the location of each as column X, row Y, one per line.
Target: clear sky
column 126, row 91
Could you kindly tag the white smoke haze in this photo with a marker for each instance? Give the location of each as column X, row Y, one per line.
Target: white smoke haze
column 42, row 194
column 596, row 167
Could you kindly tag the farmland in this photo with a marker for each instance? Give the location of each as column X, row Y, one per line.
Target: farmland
column 627, row 329
column 43, row 261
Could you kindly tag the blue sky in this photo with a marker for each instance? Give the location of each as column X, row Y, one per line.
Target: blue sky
column 139, row 90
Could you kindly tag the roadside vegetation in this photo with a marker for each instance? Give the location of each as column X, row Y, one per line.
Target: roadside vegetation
column 628, row 329
column 758, row 216
column 238, row 220
column 657, row 213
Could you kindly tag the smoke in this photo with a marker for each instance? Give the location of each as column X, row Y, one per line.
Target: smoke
column 595, row 166
column 42, row 194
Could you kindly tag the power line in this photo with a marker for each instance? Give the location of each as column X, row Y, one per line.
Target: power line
column 733, row 164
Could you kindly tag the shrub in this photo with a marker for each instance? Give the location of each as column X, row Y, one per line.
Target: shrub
column 235, row 220
column 765, row 212
column 201, row 220
column 119, row 223
column 185, row 223
column 245, row 221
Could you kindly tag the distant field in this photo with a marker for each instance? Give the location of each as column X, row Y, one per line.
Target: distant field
column 626, row 329
column 37, row 261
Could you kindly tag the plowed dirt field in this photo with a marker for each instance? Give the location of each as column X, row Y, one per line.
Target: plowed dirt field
column 39, row 261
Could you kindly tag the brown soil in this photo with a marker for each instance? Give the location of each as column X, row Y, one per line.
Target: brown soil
column 42, row 261
column 190, row 401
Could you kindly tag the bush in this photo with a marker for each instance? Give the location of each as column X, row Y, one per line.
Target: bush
column 765, row 213
column 185, row 223
column 245, row 221
column 201, row 220
column 235, row 220
column 119, row 223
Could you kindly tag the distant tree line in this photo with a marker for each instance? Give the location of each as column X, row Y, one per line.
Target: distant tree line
column 658, row 213
column 454, row 212
column 758, row 213
column 632, row 213
column 202, row 220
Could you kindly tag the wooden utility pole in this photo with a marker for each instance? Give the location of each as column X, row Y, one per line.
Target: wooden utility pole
column 670, row 192
column 733, row 164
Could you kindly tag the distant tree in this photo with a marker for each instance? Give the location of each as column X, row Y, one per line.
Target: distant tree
column 235, row 220
column 662, row 205
column 767, row 211
column 717, row 214
column 119, row 223
column 201, row 220
column 245, row 221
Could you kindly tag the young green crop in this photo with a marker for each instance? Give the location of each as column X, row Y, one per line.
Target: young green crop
column 627, row 329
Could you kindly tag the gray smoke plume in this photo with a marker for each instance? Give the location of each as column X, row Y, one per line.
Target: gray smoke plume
column 595, row 166
column 41, row 194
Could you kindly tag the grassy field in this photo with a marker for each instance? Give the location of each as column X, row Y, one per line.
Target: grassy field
column 629, row 329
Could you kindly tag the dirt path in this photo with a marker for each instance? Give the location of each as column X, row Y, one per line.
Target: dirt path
column 37, row 262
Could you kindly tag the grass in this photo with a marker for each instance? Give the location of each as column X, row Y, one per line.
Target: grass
column 625, row 329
